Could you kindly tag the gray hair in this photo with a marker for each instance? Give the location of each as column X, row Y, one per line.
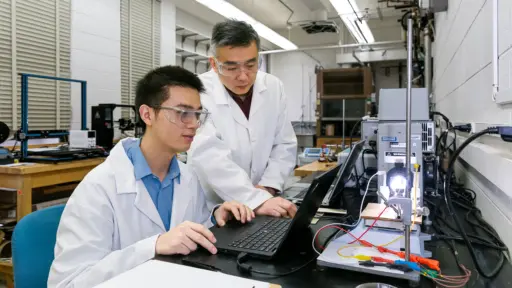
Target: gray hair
column 233, row 33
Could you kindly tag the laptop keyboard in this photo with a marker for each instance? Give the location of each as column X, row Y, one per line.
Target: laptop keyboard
column 268, row 236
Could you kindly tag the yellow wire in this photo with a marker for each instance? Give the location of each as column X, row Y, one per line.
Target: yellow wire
column 416, row 168
column 349, row 246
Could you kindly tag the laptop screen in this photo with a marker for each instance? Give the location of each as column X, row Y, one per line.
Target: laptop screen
column 313, row 199
column 346, row 170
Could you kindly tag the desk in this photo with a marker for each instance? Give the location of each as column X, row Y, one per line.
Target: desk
column 316, row 276
column 25, row 178
column 316, row 166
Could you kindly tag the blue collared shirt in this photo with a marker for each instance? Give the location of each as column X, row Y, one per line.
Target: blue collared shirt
column 161, row 192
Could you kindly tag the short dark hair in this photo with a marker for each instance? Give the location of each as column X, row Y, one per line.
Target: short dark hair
column 152, row 90
column 234, row 33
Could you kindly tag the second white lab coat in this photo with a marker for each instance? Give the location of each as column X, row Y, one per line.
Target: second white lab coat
column 110, row 224
column 231, row 154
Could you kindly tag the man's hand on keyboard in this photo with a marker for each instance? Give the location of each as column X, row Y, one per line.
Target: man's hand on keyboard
column 231, row 209
column 277, row 207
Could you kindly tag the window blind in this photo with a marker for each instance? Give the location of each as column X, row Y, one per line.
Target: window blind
column 5, row 63
column 41, row 42
column 140, row 45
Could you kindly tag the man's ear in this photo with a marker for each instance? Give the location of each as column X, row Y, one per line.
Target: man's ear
column 213, row 65
column 147, row 114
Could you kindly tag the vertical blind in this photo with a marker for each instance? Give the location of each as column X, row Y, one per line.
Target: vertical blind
column 35, row 39
column 140, row 45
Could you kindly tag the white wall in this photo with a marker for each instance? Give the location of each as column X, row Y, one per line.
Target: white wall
column 385, row 80
column 462, row 90
column 297, row 71
column 95, row 54
column 168, row 33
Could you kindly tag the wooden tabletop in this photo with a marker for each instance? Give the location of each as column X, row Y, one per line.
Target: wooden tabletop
column 310, row 168
column 32, row 168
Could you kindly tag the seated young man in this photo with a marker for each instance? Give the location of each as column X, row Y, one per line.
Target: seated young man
column 141, row 201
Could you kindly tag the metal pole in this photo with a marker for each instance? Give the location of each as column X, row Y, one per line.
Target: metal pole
column 408, row 133
column 343, row 132
column 428, row 60
column 357, row 45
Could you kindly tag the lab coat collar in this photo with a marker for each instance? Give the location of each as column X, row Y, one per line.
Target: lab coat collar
column 258, row 97
column 126, row 183
column 124, row 172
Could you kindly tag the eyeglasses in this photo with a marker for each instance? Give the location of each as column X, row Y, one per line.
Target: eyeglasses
column 233, row 69
column 185, row 116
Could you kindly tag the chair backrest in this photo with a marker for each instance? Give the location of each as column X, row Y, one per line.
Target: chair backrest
column 33, row 243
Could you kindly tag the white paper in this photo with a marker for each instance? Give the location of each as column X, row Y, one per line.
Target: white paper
column 157, row 274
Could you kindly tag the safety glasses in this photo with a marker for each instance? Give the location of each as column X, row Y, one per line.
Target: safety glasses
column 233, row 69
column 185, row 116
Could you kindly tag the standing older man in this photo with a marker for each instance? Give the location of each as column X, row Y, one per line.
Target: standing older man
column 247, row 148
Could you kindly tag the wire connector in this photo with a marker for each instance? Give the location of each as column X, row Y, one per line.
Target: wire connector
column 505, row 133
column 467, row 128
column 244, row 268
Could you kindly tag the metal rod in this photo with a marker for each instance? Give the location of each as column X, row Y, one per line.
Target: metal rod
column 357, row 45
column 343, row 132
column 408, row 133
column 428, row 60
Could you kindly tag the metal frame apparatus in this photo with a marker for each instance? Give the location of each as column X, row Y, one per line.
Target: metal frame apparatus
column 25, row 135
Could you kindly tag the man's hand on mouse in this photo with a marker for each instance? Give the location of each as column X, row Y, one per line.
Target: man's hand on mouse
column 277, row 207
column 231, row 209
column 184, row 239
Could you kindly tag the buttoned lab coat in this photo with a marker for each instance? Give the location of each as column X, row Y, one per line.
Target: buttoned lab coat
column 110, row 224
column 231, row 154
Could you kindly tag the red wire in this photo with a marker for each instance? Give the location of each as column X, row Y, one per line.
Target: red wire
column 371, row 226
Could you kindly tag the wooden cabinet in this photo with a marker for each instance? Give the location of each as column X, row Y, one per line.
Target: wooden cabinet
column 341, row 102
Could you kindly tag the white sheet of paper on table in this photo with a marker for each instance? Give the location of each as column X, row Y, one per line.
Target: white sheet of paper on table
column 158, row 274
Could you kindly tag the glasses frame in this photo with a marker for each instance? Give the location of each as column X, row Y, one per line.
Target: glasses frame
column 183, row 112
column 220, row 66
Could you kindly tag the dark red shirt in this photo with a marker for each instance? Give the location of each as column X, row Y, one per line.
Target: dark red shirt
column 243, row 101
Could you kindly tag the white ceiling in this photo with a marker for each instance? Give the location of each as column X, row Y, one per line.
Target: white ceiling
column 272, row 13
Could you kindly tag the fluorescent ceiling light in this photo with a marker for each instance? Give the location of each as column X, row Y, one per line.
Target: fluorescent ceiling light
column 359, row 29
column 229, row 11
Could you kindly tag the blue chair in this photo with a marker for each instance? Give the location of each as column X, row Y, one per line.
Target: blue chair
column 33, row 243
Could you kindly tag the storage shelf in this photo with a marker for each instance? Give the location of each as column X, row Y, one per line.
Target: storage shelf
column 340, row 119
column 341, row 97
column 180, row 52
column 334, row 86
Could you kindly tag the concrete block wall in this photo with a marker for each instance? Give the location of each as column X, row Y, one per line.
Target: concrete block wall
column 462, row 89
column 95, row 54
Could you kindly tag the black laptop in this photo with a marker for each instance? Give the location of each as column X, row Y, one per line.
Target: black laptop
column 339, row 181
column 264, row 235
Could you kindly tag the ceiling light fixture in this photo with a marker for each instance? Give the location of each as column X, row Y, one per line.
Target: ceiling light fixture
column 353, row 19
column 229, row 11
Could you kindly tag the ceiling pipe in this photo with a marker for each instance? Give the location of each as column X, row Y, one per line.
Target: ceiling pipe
column 326, row 47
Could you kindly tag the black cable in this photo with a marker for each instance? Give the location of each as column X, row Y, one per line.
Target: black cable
column 448, row 123
column 476, row 242
column 14, row 146
column 246, row 268
column 451, row 209
column 353, row 131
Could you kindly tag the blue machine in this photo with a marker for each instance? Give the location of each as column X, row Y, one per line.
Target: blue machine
column 24, row 135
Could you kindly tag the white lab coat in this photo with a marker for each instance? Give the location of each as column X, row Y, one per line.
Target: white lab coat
column 110, row 224
column 231, row 154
